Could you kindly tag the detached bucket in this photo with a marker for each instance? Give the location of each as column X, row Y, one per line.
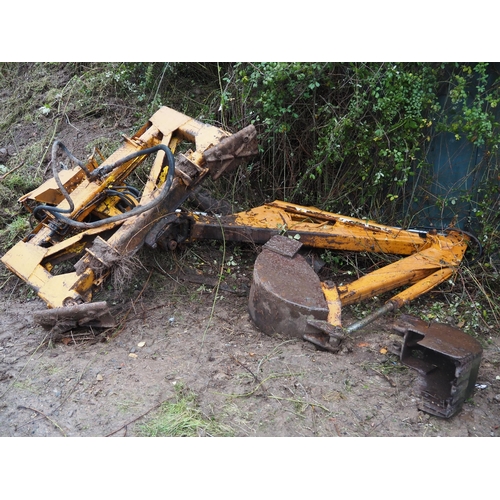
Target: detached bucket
column 285, row 291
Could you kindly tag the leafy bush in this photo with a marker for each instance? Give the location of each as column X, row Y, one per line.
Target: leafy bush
column 340, row 136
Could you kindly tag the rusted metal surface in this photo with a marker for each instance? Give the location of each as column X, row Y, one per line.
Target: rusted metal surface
column 230, row 151
column 326, row 337
column 447, row 360
column 63, row 319
column 284, row 246
column 286, row 291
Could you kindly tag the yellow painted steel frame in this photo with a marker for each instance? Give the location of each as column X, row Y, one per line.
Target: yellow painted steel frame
column 429, row 259
column 34, row 258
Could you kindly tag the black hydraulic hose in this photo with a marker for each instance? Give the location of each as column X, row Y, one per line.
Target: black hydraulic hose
column 132, row 190
column 59, row 145
column 106, row 169
column 472, row 237
column 127, row 194
column 168, row 160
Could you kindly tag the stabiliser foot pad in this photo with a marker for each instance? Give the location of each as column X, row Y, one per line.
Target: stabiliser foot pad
column 447, row 360
column 63, row 319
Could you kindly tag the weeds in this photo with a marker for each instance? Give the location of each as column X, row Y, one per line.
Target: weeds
column 52, row 368
column 183, row 418
column 17, row 228
column 26, row 385
column 127, row 405
column 388, row 367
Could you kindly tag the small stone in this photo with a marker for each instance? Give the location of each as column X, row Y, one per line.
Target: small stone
column 99, row 377
column 132, row 355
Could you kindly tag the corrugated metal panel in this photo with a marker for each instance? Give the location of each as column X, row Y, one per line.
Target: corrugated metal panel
column 457, row 168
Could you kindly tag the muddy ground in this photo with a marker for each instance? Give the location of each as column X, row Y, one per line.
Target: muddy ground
column 179, row 326
column 176, row 327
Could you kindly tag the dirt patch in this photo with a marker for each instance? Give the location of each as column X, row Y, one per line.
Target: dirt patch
column 199, row 335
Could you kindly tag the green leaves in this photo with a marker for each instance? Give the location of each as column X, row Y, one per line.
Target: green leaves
column 474, row 94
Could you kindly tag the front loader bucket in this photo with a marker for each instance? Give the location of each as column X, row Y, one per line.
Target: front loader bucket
column 447, row 360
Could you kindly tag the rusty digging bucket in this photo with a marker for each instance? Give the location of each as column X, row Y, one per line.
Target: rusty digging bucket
column 286, row 295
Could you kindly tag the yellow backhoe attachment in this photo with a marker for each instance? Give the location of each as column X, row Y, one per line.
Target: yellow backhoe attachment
column 92, row 217
column 428, row 258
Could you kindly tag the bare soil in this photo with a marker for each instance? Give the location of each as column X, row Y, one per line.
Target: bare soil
column 175, row 329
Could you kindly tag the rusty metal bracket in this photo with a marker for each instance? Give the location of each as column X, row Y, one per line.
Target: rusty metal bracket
column 63, row 319
column 231, row 150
